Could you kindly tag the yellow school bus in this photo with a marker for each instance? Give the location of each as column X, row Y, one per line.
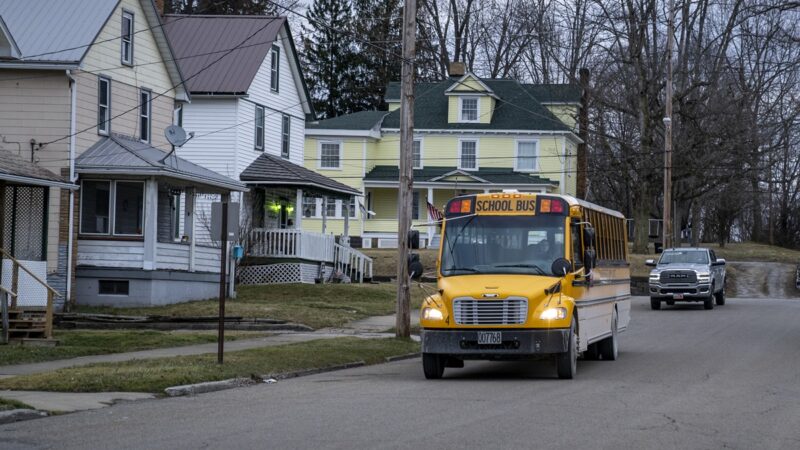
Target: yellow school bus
column 526, row 276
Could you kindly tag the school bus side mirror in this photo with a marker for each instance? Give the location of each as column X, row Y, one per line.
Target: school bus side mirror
column 415, row 267
column 588, row 237
column 561, row 267
column 589, row 259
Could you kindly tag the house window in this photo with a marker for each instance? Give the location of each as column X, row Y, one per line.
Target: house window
column 416, row 154
column 329, row 153
column 330, row 208
column 113, row 287
column 351, row 207
column 124, row 198
column 469, row 109
column 259, row 140
column 309, row 207
column 469, row 155
column 526, row 155
column 176, row 216
column 103, row 105
column 275, row 65
column 415, row 206
column 285, row 132
column 127, row 38
column 145, row 111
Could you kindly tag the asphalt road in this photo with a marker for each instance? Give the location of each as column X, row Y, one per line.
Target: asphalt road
column 686, row 378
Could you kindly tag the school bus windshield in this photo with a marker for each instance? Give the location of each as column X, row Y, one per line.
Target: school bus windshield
column 502, row 244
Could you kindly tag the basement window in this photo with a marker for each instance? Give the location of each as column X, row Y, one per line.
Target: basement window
column 114, row 287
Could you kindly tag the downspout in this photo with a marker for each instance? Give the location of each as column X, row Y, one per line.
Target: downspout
column 73, row 87
column 563, row 165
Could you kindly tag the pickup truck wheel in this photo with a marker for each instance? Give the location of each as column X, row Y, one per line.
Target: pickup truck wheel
column 433, row 366
column 567, row 362
column 719, row 297
column 708, row 303
column 655, row 304
column 608, row 347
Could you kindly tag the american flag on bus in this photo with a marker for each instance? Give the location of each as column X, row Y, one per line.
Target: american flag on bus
column 434, row 213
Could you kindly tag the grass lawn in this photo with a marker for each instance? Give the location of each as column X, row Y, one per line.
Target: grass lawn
column 154, row 375
column 384, row 260
column 7, row 404
column 81, row 343
column 315, row 305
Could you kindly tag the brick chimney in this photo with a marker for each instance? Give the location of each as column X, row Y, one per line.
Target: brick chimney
column 457, row 69
column 159, row 7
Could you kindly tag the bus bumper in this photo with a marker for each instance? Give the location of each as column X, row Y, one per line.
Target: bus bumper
column 514, row 342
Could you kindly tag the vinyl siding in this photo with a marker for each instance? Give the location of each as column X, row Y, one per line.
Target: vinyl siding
column 105, row 54
column 36, row 105
column 566, row 113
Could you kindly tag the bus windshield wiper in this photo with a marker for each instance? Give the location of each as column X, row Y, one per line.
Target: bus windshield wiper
column 524, row 266
column 467, row 269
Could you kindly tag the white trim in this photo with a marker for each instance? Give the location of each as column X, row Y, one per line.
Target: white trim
column 421, row 141
column 322, row 132
column 460, row 82
column 517, row 156
column 461, row 99
column 477, row 158
column 37, row 181
column 459, row 172
column 319, row 154
column 568, row 134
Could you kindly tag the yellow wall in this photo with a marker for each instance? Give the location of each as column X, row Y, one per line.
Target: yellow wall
column 566, row 113
column 394, row 105
column 352, row 168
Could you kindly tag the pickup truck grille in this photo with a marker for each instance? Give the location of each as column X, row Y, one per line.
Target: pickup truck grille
column 509, row 311
column 678, row 276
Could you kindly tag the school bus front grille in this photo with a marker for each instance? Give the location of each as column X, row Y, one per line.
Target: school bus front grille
column 509, row 311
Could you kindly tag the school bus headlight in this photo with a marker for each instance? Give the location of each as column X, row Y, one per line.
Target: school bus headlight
column 432, row 314
column 553, row 314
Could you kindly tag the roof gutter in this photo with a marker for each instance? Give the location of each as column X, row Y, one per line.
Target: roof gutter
column 39, row 66
column 37, row 181
column 304, row 183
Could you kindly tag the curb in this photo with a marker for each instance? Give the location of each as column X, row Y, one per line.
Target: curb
column 403, row 357
column 213, row 386
column 18, row 415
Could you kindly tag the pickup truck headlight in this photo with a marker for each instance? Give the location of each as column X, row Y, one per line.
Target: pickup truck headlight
column 432, row 314
column 553, row 314
column 654, row 277
column 703, row 277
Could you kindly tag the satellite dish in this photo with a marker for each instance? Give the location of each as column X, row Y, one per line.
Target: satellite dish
column 175, row 135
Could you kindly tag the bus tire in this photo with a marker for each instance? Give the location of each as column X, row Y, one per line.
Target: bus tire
column 655, row 304
column 719, row 297
column 708, row 302
column 567, row 362
column 609, row 347
column 592, row 352
column 433, row 366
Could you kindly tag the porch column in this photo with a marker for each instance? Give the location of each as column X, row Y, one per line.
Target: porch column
column 298, row 210
column 150, row 220
column 188, row 224
column 346, row 213
column 431, row 227
column 324, row 213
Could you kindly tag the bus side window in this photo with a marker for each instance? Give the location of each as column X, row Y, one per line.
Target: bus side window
column 577, row 251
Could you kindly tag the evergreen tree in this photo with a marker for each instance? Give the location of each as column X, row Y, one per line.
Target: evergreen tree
column 335, row 79
column 380, row 23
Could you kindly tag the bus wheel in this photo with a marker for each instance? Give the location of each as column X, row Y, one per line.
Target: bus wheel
column 567, row 362
column 655, row 304
column 708, row 302
column 592, row 353
column 433, row 366
column 609, row 346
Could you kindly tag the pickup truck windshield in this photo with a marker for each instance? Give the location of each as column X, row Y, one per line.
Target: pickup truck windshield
column 685, row 257
column 502, row 244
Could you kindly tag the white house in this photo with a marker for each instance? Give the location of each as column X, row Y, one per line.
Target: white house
column 248, row 115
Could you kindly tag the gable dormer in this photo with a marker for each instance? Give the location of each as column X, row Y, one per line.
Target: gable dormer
column 470, row 100
column 8, row 47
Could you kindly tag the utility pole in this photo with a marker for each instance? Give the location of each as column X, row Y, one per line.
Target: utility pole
column 404, row 195
column 223, row 259
column 668, row 134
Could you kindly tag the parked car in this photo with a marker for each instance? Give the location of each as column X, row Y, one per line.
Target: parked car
column 688, row 275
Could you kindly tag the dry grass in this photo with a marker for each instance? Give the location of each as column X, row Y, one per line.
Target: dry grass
column 384, row 260
column 154, row 375
column 315, row 305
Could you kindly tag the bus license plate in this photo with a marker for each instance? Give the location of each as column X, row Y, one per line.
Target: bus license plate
column 677, row 296
column 490, row 338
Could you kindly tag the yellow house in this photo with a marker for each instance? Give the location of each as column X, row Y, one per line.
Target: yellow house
column 470, row 135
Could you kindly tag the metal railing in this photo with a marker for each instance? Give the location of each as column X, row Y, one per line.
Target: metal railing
column 12, row 293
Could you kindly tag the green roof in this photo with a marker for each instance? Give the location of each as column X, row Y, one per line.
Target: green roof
column 363, row 120
column 516, row 109
column 555, row 93
column 492, row 175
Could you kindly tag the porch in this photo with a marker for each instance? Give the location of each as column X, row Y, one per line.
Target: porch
column 138, row 241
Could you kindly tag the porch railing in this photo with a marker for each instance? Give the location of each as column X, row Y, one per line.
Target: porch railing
column 352, row 263
column 275, row 243
column 11, row 293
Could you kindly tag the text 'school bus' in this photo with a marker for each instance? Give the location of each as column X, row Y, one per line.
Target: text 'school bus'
column 522, row 276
